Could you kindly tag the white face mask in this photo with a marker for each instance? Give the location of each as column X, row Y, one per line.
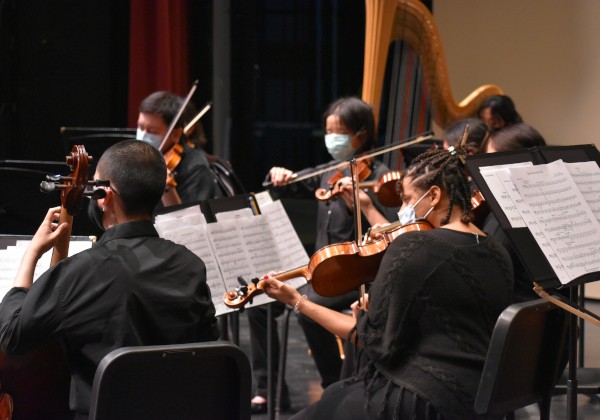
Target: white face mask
column 153, row 139
column 339, row 146
column 407, row 213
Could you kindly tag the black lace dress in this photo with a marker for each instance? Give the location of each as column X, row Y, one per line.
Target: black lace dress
column 422, row 345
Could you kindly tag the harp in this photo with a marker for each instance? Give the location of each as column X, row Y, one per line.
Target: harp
column 412, row 22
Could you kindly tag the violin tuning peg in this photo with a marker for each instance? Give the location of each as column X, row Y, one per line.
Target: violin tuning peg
column 243, row 291
column 47, row 187
column 53, row 178
column 255, row 281
column 241, row 281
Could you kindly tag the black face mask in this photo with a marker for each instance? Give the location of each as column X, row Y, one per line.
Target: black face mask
column 95, row 213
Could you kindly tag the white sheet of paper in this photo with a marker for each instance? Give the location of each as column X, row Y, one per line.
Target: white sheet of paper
column 10, row 259
column 587, row 177
column 500, row 189
column 563, row 216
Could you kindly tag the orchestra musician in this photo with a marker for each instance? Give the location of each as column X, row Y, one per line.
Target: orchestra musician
column 422, row 334
column 499, row 111
column 132, row 288
column 193, row 176
column 350, row 132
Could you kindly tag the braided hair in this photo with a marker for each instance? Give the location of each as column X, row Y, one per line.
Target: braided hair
column 445, row 169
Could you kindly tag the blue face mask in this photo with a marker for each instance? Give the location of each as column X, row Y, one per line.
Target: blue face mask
column 152, row 139
column 339, row 146
column 407, row 213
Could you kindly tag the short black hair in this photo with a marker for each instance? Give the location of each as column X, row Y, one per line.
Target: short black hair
column 137, row 172
column 165, row 104
column 356, row 115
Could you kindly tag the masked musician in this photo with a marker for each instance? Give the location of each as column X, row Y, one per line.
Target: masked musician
column 193, row 176
column 132, row 288
column 350, row 132
column 423, row 338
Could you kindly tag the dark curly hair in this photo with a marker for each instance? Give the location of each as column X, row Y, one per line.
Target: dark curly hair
column 445, row 169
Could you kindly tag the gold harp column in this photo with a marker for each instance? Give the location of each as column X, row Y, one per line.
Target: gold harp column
column 380, row 17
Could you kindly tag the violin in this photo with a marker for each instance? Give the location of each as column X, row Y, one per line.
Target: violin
column 479, row 207
column 173, row 155
column 384, row 188
column 172, row 159
column 39, row 381
column 334, row 269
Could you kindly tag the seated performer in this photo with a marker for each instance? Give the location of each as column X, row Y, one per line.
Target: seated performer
column 193, row 176
column 132, row 288
column 478, row 134
column 350, row 132
column 499, row 111
column 423, row 338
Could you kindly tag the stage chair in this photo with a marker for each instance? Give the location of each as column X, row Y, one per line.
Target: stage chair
column 524, row 360
column 181, row 381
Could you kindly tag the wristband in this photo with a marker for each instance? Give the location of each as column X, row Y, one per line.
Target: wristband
column 298, row 303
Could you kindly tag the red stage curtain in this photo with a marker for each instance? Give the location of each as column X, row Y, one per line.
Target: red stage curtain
column 158, row 50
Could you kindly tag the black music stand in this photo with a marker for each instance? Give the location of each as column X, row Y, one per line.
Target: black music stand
column 528, row 251
column 95, row 139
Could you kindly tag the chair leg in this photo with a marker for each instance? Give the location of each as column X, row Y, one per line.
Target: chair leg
column 282, row 358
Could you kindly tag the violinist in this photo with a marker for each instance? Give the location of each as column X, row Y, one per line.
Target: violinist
column 191, row 169
column 132, row 288
column 423, row 337
column 350, row 132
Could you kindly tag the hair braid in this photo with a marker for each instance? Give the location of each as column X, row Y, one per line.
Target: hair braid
column 444, row 168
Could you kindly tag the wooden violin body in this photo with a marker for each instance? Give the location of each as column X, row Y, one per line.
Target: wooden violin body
column 384, row 188
column 334, row 269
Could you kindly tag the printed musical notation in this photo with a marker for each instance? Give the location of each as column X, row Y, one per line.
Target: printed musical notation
column 10, row 259
column 238, row 244
column 560, row 204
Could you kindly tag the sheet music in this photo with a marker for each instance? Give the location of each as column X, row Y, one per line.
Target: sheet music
column 587, row 177
column 562, row 215
column 10, row 259
column 239, row 244
column 500, row 184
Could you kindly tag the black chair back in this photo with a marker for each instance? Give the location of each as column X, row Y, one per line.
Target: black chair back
column 183, row 381
column 524, row 360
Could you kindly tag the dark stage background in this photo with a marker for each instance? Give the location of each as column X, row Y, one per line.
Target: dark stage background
column 66, row 64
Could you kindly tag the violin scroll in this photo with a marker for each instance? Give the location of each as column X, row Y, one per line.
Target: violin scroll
column 242, row 295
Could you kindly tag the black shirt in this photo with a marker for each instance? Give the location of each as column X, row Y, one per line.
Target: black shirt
column 195, row 180
column 132, row 288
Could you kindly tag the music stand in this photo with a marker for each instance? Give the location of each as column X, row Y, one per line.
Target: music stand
column 527, row 249
column 95, row 139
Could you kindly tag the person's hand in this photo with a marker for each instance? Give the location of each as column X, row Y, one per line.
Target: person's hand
column 280, row 176
column 362, row 304
column 347, row 194
column 48, row 233
column 279, row 291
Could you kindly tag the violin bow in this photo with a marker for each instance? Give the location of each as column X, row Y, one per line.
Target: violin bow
column 375, row 152
column 174, row 121
column 192, row 123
